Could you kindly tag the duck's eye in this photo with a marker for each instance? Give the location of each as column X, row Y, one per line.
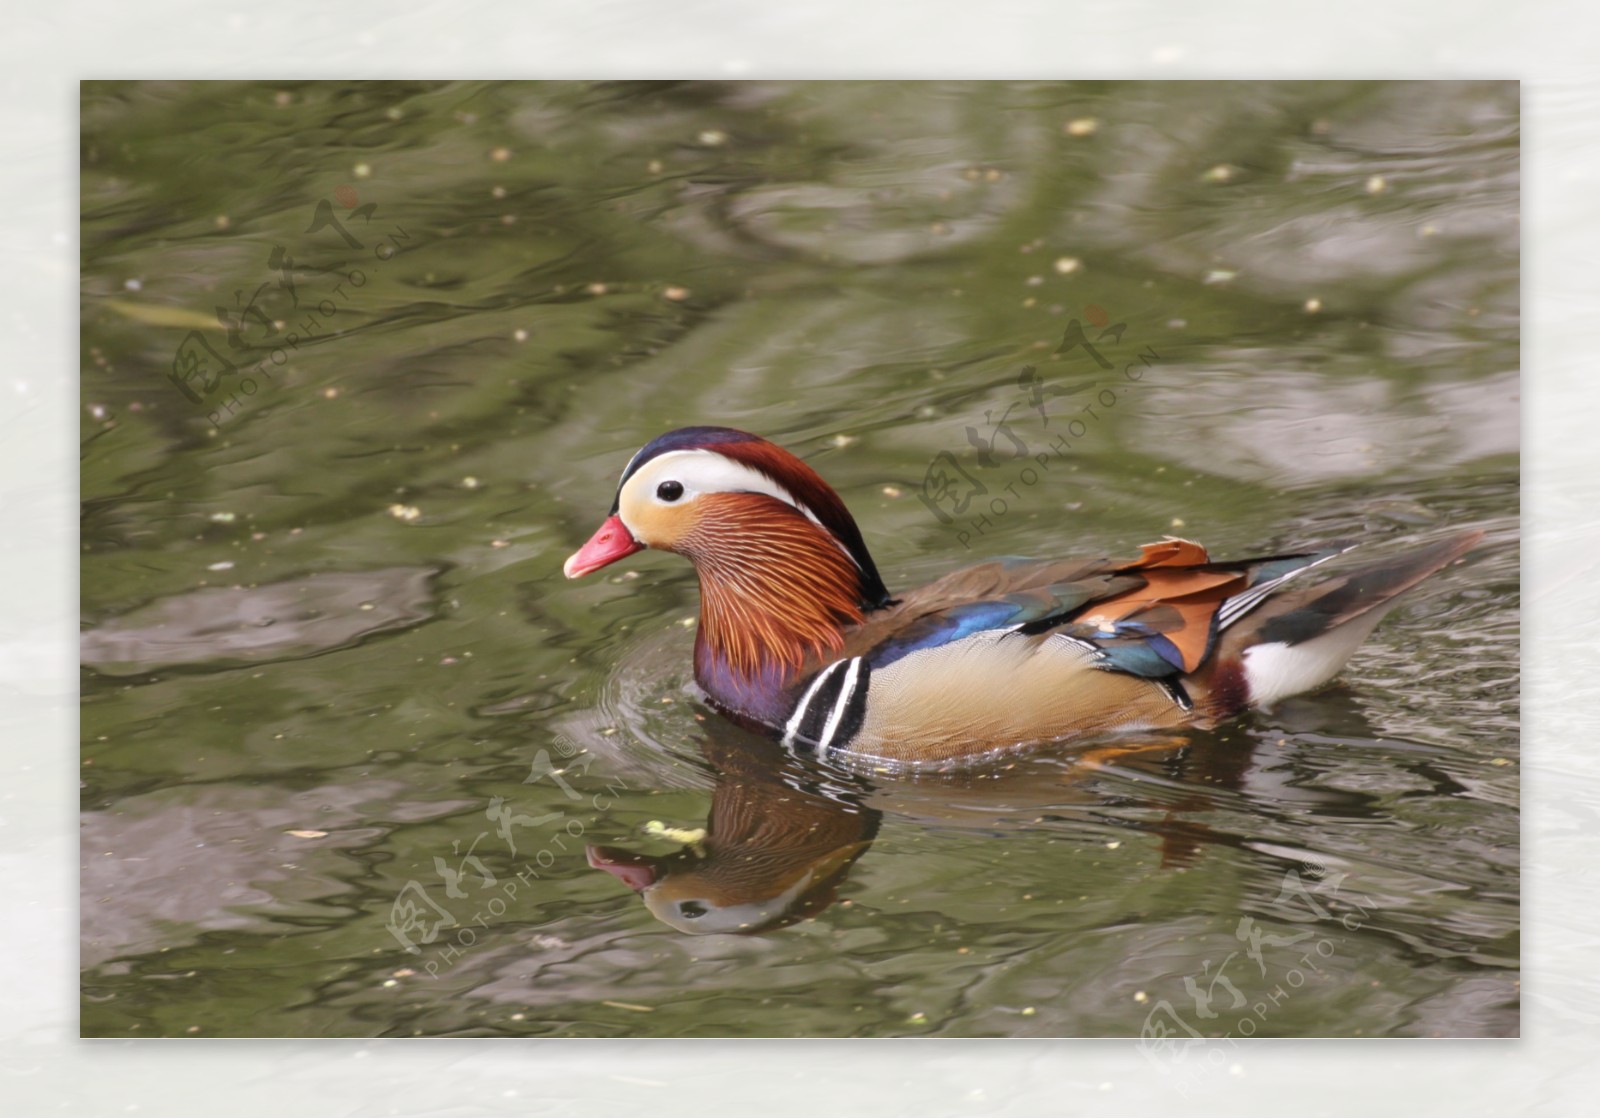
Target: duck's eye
column 691, row 908
column 669, row 491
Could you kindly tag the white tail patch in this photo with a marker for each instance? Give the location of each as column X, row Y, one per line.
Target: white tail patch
column 1277, row 670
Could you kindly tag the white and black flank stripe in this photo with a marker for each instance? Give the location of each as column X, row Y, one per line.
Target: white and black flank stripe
column 831, row 710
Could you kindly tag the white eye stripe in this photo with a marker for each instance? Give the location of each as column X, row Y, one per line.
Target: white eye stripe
column 708, row 472
column 704, row 472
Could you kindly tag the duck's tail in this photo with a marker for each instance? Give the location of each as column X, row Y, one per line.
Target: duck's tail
column 1299, row 638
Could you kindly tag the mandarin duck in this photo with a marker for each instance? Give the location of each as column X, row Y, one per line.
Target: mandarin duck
column 799, row 637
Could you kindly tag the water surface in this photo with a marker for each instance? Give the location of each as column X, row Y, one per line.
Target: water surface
column 361, row 364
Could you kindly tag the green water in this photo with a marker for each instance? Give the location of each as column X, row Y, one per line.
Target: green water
column 338, row 699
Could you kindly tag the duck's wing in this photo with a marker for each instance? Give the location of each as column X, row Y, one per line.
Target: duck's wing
column 1155, row 616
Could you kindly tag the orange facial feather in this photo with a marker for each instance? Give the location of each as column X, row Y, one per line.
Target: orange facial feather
column 774, row 587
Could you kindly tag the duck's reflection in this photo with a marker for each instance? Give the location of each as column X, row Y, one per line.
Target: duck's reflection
column 783, row 833
column 778, row 843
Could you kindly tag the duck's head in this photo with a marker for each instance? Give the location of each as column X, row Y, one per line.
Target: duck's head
column 728, row 500
column 782, row 565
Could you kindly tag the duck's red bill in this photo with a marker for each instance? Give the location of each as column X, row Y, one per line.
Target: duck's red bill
column 632, row 869
column 612, row 542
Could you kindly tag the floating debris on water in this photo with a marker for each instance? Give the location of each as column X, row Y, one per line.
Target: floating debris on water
column 658, row 830
column 157, row 314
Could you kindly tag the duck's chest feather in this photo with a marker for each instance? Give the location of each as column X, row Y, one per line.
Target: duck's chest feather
column 765, row 695
column 819, row 711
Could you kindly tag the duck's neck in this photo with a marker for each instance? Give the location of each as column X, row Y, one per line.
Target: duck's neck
column 776, row 591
